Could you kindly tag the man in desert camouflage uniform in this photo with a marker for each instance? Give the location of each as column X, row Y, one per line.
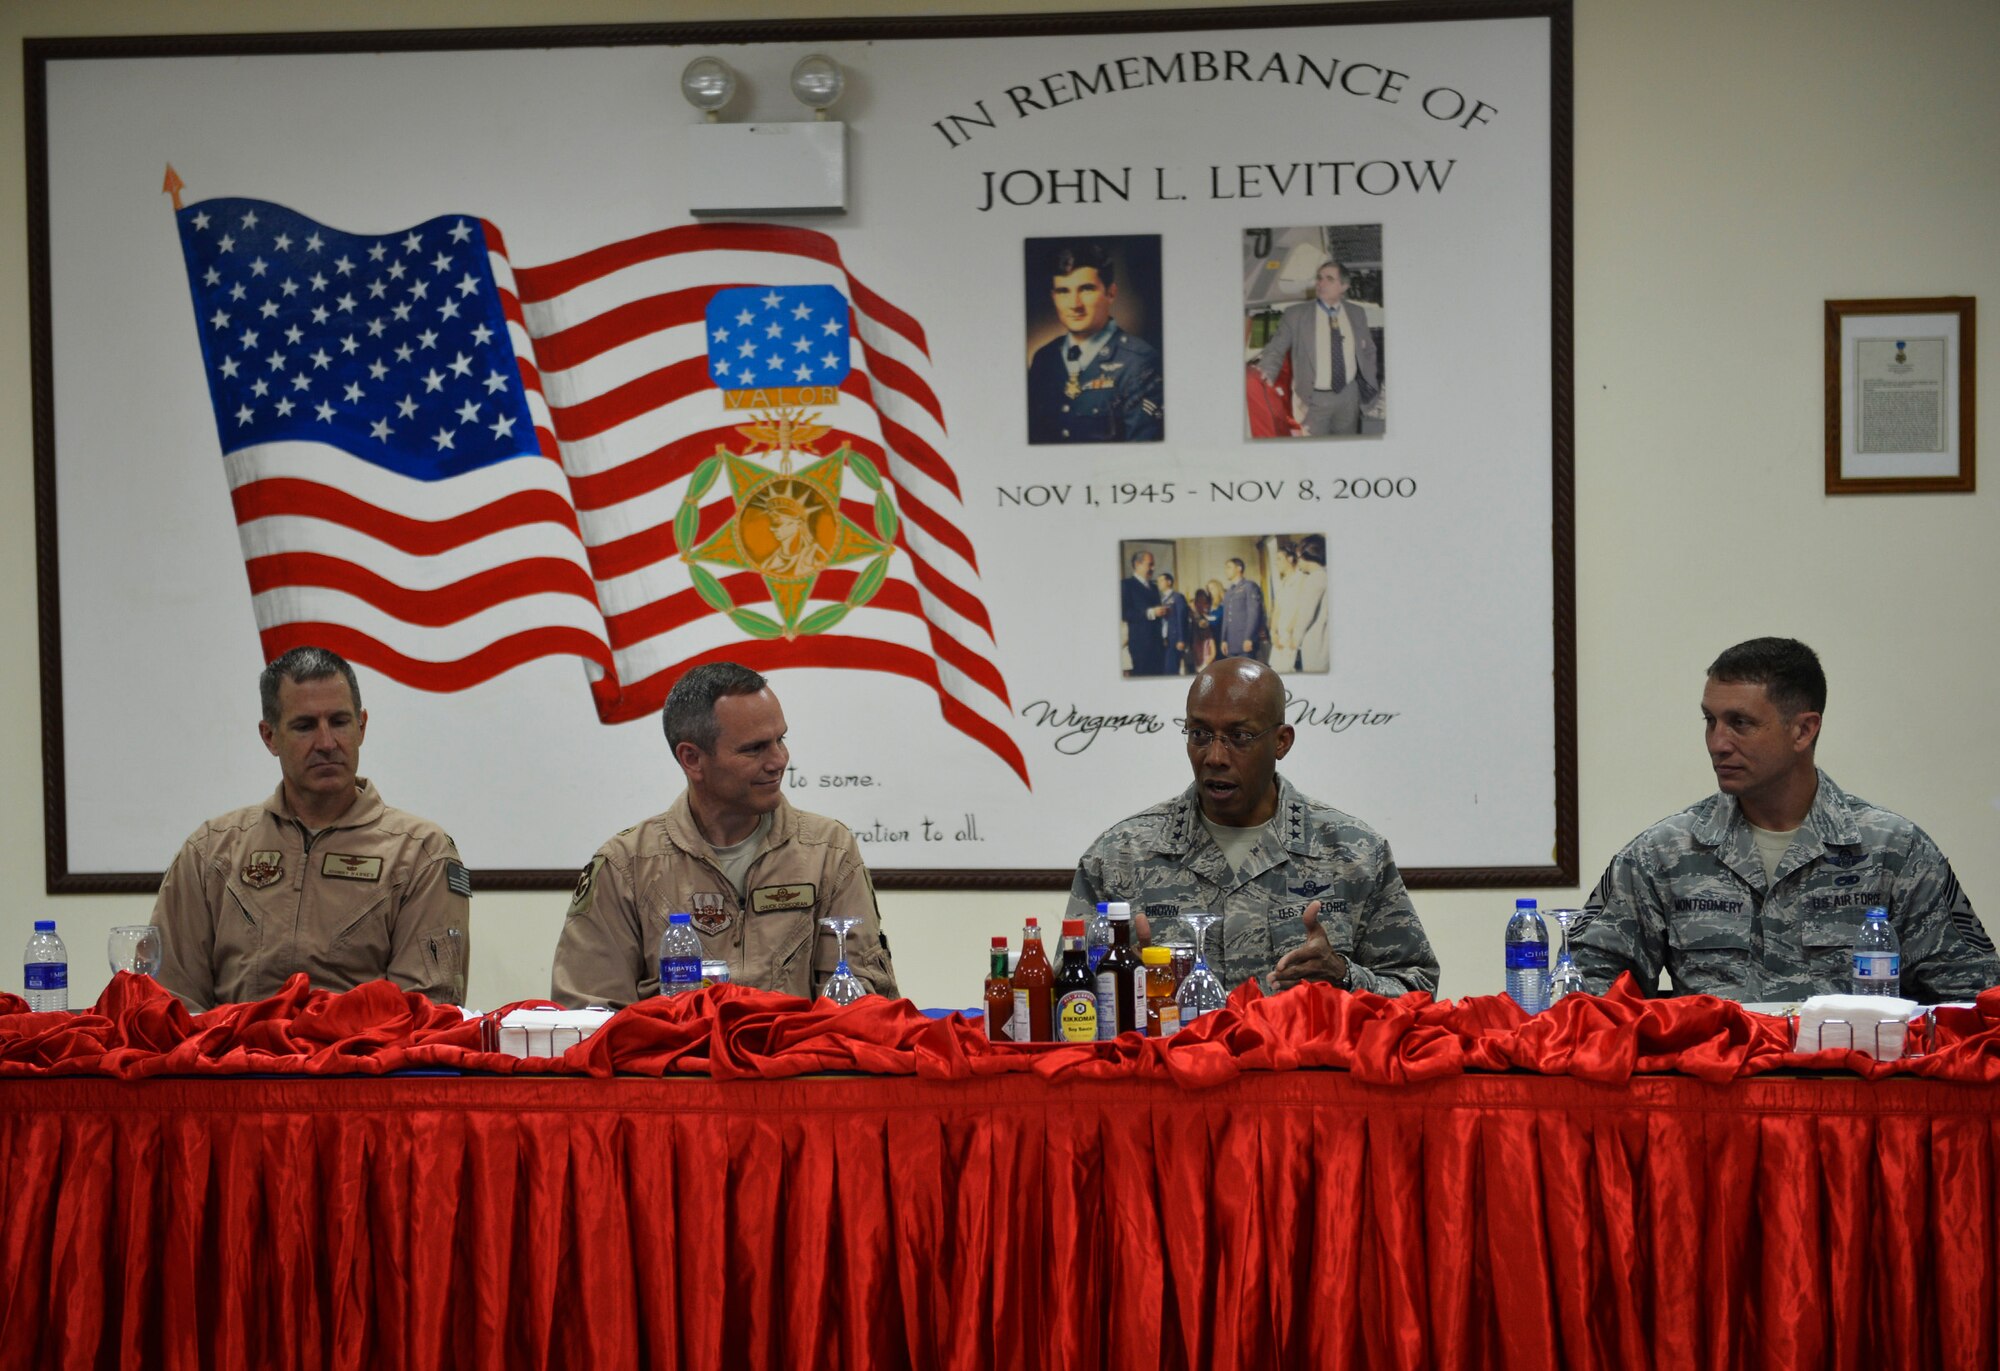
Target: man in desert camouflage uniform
column 1306, row 892
column 1758, row 892
column 322, row 877
column 756, row 875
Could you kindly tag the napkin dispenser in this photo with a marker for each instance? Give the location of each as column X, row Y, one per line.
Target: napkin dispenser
column 1878, row 1025
column 541, row 1032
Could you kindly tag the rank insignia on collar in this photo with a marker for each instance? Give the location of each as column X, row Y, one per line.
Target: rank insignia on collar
column 263, row 868
column 706, row 909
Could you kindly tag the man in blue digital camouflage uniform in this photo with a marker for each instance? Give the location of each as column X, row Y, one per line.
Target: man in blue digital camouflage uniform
column 1757, row 892
column 1096, row 383
column 1306, row 892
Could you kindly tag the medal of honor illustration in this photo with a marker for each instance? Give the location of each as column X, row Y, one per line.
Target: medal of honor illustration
column 781, row 353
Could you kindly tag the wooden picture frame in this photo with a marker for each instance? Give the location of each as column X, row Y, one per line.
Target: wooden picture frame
column 1900, row 395
column 934, row 807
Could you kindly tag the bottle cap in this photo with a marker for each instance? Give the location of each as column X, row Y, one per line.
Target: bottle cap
column 1103, row 906
column 999, row 942
column 45, row 925
column 1878, row 912
column 680, row 918
column 1118, row 909
column 1155, row 956
column 1072, row 928
column 1524, row 904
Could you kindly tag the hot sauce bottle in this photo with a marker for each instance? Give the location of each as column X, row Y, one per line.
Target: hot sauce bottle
column 999, row 996
column 1034, row 1018
column 1076, row 989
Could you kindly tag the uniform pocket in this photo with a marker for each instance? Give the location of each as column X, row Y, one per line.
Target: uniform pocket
column 1709, row 959
column 1829, row 943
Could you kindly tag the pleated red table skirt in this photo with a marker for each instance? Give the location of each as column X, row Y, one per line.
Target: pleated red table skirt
column 1302, row 1218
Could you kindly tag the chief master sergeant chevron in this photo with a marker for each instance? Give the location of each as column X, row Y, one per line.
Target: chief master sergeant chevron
column 322, row 877
column 1306, row 892
column 1757, row 892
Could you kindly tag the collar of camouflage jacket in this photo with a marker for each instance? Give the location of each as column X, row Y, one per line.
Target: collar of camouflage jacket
column 1830, row 819
column 1182, row 831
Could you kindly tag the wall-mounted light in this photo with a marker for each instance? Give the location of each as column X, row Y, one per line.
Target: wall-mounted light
column 796, row 167
column 707, row 83
column 817, row 82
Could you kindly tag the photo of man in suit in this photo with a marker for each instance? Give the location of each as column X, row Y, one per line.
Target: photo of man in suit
column 1336, row 371
column 1140, row 608
column 1176, row 627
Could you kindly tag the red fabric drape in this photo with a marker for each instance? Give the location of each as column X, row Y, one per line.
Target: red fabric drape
column 1618, row 1182
column 1018, row 1221
column 137, row 1030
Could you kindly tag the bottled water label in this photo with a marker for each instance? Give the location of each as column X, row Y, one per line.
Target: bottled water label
column 1878, row 966
column 679, row 973
column 46, row 975
column 1527, row 956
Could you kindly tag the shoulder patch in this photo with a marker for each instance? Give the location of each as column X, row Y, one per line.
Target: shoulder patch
column 457, row 879
column 579, row 898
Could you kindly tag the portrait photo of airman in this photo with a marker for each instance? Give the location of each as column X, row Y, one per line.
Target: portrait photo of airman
column 1094, row 366
column 1313, row 332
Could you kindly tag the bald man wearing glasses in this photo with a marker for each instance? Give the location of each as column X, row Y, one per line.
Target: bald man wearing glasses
column 1307, row 893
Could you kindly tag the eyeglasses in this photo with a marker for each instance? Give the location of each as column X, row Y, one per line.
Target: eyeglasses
column 1236, row 741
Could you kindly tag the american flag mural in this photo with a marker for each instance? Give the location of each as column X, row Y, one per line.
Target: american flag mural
column 443, row 465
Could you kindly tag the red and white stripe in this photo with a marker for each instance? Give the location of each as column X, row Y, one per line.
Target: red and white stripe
column 619, row 355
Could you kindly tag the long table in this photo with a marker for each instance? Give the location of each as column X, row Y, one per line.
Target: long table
column 1011, row 1221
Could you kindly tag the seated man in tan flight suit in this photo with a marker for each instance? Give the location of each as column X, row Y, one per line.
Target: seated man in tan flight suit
column 756, row 874
column 322, row 877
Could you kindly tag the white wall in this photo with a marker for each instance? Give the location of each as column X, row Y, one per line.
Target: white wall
column 1735, row 166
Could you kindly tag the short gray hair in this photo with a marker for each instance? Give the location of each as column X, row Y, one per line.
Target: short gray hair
column 689, row 714
column 300, row 665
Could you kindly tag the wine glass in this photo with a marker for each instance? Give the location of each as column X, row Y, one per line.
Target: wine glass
column 843, row 986
column 1566, row 979
column 134, row 948
column 1201, row 993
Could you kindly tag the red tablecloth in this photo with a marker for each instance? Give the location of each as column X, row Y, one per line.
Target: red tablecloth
column 137, row 1030
column 1277, row 1219
column 1192, row 1204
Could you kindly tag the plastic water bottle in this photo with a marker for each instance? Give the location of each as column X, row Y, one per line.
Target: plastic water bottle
column 1878, row 956
column 680, row 956
column 1100, row 932
column 45, row 969
column 1528, row 958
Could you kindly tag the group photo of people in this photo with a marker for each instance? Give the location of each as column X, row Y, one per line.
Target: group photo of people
column 1184, row 603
